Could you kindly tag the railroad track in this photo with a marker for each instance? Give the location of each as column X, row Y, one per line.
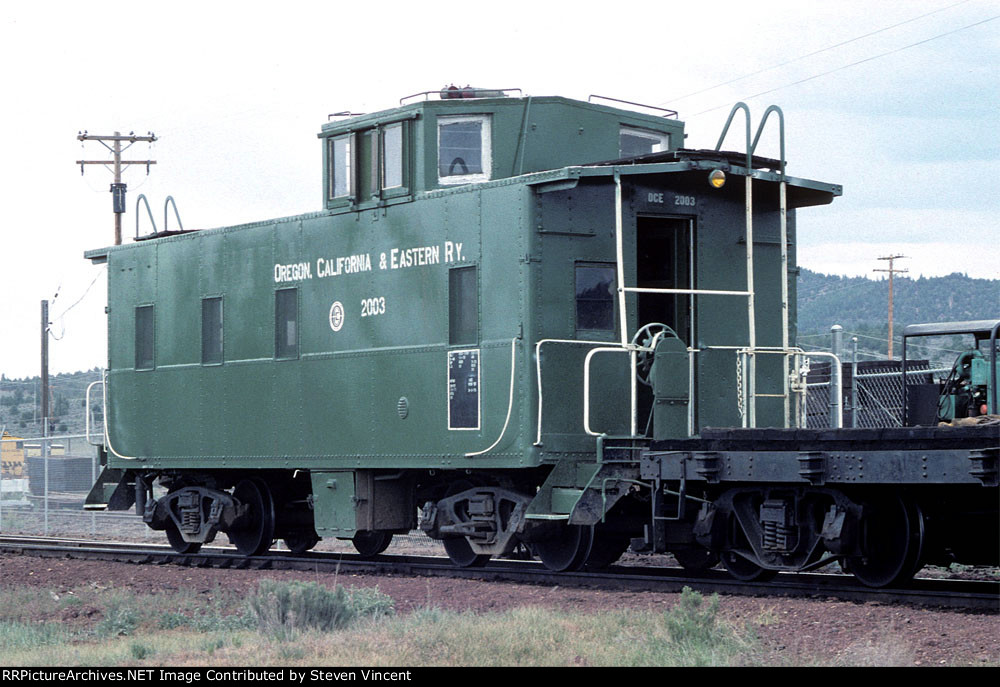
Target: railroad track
column 975, row 595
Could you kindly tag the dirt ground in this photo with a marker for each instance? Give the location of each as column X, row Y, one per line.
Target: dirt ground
column 799, row 630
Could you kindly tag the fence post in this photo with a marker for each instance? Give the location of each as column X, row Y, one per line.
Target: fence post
column 45, row 469
column 854, row 381
column 93, row 479
column 837, row 348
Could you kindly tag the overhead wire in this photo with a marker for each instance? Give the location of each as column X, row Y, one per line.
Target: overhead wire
column 812, row 54
column 59, row 317
column 852, row 64
column 865, row 282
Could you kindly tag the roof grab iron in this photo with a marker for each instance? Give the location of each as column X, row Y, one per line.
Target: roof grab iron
column 142, row 197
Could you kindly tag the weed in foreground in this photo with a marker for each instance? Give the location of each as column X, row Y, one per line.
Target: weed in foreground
column 283, row 609
column 697, row 637
column 121, row 618
column 692, row 620
column 140, row 650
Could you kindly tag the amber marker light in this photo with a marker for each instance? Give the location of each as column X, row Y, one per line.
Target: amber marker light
column 717, row 178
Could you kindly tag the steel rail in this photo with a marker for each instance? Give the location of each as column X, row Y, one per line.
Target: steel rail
column 975, row 595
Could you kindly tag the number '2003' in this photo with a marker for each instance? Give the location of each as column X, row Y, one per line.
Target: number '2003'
column 372, row 306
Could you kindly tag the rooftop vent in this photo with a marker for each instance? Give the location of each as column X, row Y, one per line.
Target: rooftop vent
column 454, row 92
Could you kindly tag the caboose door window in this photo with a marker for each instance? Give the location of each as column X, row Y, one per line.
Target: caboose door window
column 664, row 259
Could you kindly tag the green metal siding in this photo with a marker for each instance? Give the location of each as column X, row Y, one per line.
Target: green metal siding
column 336, row 404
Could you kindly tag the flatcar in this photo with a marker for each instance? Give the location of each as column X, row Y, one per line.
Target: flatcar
column 515, row 321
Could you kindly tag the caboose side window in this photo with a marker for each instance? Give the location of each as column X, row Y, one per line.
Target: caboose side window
column 145, row 324
column 341, row 156
column 392, row 156
column 632, row 142
column 463, row 306
column 595, row 297
column 463, row 149
column 211, row 331
column 286, row 323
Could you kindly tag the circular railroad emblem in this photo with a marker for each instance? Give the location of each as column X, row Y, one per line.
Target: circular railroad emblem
column 336, row 316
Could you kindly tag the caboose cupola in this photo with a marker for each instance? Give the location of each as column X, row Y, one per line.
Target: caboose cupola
column 459, row 136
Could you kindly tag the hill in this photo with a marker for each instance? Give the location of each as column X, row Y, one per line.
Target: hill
column 860, row 306
column 20, row 407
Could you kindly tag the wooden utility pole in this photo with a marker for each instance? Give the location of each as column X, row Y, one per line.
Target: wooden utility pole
column 891, row 272
column 117, row 188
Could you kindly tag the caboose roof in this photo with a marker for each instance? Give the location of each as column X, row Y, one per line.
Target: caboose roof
column 695, row 163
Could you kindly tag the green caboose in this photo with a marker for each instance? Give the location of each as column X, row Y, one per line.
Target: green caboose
column 496, row 290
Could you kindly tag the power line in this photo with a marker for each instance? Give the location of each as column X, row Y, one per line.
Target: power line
column 812, row 54
column 63, row 313
column 852, row 64
column 917, row 345
column 822, row 349
column 864, row 282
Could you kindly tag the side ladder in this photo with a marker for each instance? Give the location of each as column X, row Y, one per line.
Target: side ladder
column 748, row 407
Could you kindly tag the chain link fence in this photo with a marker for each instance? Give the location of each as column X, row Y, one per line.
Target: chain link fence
column 44, row 482
column 871, row 398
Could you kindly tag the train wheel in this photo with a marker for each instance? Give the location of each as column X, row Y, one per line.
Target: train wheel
column 892, row 537
column 607, row 548
column 371, row 543
column 254, row 532
column 569, row 551
column 461, row 553
column 695, row 561
column 177, row 542
column 300, row 542
column 745, row 570
column 458, row 548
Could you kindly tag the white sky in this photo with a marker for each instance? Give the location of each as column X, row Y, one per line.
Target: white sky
column 236, row 93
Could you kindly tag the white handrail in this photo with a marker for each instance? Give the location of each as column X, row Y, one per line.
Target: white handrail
column 538, row 371
column 510, row 402
column 620, row 260
column 107, row 425
column 836, row 377
column 87, row 410
column 693, row 292
column 586, row 381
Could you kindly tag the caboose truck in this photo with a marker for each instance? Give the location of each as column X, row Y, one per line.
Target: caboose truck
column 492, row 335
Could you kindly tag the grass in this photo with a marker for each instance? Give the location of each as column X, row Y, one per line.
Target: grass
column 308, row 624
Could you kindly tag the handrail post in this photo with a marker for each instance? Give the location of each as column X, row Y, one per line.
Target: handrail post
column 87, row 412
column 725, row 129
column 152, row 221
column 620, row 260
column 586, row 383
column 783, row 237
column 751, row 315
column 170, row 200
